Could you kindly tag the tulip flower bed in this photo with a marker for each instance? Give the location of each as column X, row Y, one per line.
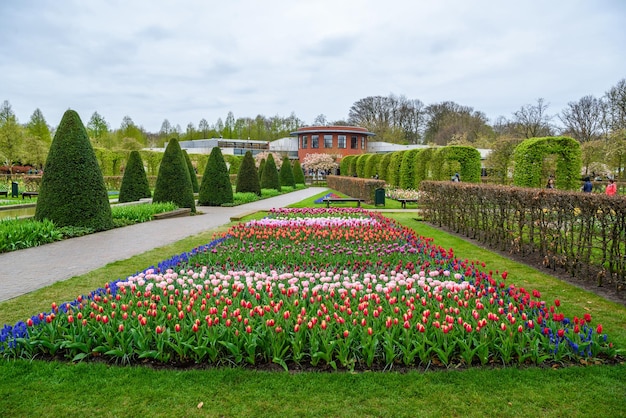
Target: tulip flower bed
column 313, row 288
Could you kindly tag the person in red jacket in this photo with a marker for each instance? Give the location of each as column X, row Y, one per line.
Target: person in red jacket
column 611, row 188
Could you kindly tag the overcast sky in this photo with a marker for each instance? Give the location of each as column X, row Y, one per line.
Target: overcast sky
column 187, row 60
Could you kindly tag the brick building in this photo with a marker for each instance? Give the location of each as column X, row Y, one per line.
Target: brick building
column 336, row 140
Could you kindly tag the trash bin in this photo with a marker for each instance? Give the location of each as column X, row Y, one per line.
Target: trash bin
column 379, row 197
column 14, row 190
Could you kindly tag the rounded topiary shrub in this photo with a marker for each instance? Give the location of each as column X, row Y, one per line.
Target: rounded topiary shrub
column 286, row 174
column 269, row 179
column 173, row 183
column 215, row 188
column 248, row 177
column 298, row 173
column 72, row 191
column 192, row 173
column 135, row 184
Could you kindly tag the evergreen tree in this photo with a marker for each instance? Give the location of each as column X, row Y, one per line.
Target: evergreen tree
column 135, row 184
column 270, row 178
column 72, row 191
column 248, row 177
column 215, row 188
column 192, row 173
column 298, row 173
column 261, row 167
column 173, row 182
column 286, row 174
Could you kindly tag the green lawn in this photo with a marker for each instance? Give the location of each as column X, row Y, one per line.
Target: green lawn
column 31, row 388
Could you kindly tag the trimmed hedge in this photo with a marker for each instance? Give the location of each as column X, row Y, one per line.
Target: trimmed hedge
column 135, row 184
column 371, row 166
column 393, row 170
column 72, row 191
column 355, row 187
column 248, row 177
column 580, row 233
column 344, row 165
column 382, row 166
column 173, row 181
column 361, row 160
column 407, row 169
column 215, row 188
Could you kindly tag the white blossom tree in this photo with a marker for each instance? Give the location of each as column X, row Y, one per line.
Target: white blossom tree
column 320, row 162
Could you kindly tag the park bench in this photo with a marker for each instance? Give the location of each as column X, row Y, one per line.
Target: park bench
column 403, row 202
column 4, row 193
column 329, row 200
column 29, row 194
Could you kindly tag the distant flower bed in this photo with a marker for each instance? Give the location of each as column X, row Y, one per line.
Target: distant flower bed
column 325, row 288
column 393, row 193
column 327, row 196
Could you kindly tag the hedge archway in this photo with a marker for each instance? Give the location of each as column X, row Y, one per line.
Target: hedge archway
column 457, row 158
column 529, row 156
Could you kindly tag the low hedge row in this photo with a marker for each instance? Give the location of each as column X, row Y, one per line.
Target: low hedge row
column 583, row 233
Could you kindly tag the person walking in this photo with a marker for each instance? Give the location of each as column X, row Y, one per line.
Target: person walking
column 611, row 188
column 587, row 186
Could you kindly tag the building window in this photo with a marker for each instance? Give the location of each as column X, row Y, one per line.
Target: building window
column 315, row 141
column 305, row 141
column 328, row 141
column 354, row 142
column 362, row 142
column 341, row 141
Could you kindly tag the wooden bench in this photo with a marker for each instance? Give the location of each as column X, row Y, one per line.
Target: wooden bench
column 403, row 202
column 4, row 193
column 29, row 194
column 330, row 200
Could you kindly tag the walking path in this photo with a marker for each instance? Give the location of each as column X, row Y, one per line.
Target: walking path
column 30, row 269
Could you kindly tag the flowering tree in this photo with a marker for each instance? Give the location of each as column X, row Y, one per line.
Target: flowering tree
column 320, row 162
column 278, row 159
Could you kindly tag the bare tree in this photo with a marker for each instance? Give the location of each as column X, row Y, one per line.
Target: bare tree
column 392, row 118
column 451, row 122
column 616, row 106
column 583, row 120
column 532, row 121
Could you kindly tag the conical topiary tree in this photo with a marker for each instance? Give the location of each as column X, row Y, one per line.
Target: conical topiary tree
column 261, row 167
column 215, row 188
column 173, row 183
column 270, row 178
column 192, row 173
column 298, row 173
column 72, row 191
column 135, row 184
column 286, row 174
column 247, row 177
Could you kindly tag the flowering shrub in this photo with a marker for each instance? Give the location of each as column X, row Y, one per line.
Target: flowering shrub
column 338, row 288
